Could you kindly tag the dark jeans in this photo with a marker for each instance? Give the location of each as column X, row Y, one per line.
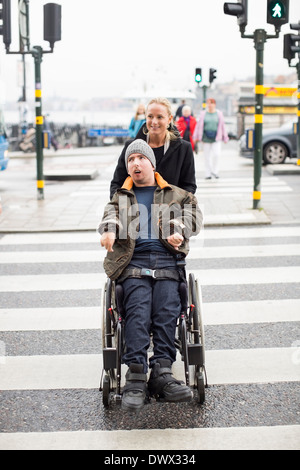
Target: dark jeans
column 154, row 305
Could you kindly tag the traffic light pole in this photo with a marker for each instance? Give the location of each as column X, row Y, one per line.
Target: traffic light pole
column 298, row 95
column 37, row 53
column 277, row 15
column 204, row 90
column 52, row 33
column 260, row 38
column 298, row 133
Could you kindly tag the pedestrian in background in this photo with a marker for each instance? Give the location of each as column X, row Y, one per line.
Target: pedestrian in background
column 178, row 113
column 210, row 130
column 47, row 127
column 137, row 121
column 174, row 156
column 186, row 125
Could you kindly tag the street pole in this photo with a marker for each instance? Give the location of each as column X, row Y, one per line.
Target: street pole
column 204, row 89
column 277, row 15
column 260, row 38
column 298, row 95
column 37, row 53
column 298, row 130
column 52, row 33
column 289, row 53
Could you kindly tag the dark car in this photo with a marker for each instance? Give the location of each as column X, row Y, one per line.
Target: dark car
column 278, row 144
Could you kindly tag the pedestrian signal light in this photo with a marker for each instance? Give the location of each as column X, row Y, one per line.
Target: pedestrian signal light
column 239, row 9
column 5, row 22
column 198, row 75
column 278, row 12
column 212, row 75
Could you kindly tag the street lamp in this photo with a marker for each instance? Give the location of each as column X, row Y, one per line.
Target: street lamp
column 52, row 33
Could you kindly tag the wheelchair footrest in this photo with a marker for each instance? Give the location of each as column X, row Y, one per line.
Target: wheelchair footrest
column 195, row 354
column 109, row 358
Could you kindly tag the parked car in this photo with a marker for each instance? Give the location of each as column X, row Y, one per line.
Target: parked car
column 3, row 145
column 278, row 144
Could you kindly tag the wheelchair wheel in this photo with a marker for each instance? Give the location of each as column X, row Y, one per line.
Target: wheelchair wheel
column 197, row 337
column 106, row 317
column 184, row 351
column 108, row 343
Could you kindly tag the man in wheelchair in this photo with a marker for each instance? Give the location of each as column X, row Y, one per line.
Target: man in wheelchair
column 146, row 229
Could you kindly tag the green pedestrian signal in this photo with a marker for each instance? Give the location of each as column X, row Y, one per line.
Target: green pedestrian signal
column 198, row 75
column 278, row 12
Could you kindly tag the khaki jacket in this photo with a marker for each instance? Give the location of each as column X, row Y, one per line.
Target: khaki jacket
column 173, row 210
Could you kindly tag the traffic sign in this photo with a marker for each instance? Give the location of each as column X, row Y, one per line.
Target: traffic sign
column 116, row 132
column 279, row 92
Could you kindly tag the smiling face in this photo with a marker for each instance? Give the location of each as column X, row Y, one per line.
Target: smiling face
column 141, row 170
column 157, row 120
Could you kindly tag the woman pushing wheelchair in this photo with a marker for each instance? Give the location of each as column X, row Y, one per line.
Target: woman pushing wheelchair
column 146, row 229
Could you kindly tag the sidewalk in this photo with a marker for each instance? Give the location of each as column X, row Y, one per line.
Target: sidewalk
column 77, row 205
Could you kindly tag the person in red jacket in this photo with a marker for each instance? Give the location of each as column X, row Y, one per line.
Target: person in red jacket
column 186, row 125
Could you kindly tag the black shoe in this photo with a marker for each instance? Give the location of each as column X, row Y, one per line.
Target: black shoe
column 216, row 176
column 164, row 386
column 135, row 391
column 208, row 178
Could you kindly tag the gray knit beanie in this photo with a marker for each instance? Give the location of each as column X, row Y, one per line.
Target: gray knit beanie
column 140, row 146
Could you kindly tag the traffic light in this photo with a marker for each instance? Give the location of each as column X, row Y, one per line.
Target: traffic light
column 52, row 23
column 278, row 12
column 289, row 47
column 198, row 75
column 239, row 9
column 5, row 24
column 212, row 75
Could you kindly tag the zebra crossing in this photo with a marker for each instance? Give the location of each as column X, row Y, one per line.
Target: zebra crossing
column 50, row 346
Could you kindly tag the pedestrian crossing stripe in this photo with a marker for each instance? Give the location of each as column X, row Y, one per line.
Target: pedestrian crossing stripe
column 221, row 233
column 85, row 318
column 226, row 438
column 220, row 277
column 259, row 365
column 198, row 251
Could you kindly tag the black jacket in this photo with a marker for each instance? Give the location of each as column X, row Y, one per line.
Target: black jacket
column 177, row 166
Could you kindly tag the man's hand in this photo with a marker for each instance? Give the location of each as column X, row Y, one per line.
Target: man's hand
column 175, row 240
column 108, row 240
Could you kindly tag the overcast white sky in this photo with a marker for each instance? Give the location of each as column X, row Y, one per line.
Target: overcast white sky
column 111, row 46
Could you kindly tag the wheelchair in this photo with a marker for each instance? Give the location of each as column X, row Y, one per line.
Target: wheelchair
column 189, row 339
